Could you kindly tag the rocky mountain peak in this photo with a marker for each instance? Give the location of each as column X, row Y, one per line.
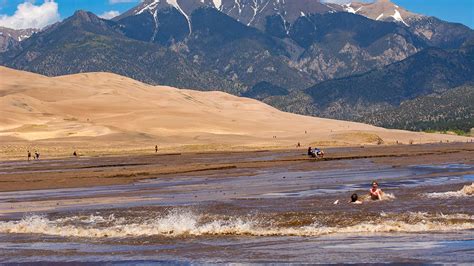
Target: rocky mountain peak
column 84, row 16
column 383, row 10
column 87, row 21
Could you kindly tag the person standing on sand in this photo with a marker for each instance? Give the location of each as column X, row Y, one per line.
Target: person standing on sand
column 375, row 192
column 156, row 148
column 37, row 155
column 29, row 156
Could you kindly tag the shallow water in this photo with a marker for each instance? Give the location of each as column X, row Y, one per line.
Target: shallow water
column 274, row 215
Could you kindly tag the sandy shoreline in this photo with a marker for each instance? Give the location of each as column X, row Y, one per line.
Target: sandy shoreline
column 114, row 170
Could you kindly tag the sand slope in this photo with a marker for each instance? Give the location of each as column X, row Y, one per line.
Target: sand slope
column 99, row 108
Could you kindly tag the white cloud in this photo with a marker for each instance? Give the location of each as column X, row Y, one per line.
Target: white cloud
column 29, row 15
column 109, row 14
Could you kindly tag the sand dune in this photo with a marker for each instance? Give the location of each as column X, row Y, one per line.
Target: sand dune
column 97, row 109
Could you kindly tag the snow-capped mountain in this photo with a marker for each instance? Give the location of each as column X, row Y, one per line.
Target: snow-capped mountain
column 255, row 12
column 249, row 12
column 276, row 17
column 436, row 32
column 382, row 10
column 10, row 38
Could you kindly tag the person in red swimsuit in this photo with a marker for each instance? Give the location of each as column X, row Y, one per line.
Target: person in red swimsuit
column 375, row 192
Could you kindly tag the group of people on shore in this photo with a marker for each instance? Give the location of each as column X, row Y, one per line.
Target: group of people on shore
column 36, row 155
column 375, row 193
column 316, row 152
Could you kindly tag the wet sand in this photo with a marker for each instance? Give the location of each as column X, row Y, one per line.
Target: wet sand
column 267, row 206
column 115, row 170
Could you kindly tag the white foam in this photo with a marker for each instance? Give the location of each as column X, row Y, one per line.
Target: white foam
column 466, row 191
column 388, row 196
column 177, row 224
column 385, row 196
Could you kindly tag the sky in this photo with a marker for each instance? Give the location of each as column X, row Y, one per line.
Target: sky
column 40, row 13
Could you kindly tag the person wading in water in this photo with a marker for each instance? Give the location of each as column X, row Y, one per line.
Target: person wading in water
column 375, row 192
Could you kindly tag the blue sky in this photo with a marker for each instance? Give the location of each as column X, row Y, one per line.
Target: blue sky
column 67, row 7
column 451, row 10
column 461, row 11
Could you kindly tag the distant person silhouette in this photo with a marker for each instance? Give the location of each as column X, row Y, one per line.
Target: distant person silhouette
column 29, row 156
column 37, row 155
column 156, row 148
column 74, row 153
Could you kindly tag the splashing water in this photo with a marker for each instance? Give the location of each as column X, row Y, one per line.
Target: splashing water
column 466, row 191
column 178, row 223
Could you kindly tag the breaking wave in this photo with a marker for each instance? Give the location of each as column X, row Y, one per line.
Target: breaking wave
column 466, row 191
column 184, row 223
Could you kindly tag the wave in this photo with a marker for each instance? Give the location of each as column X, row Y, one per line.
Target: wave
column 184, row 223
column 466, row 191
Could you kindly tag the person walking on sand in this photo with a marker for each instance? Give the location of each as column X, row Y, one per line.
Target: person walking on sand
column 156, row 148
column 37, row 155
column 375, row 192
column 74, row 153
column 29, row 156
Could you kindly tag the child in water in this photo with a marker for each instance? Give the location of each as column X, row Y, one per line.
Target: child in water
column 355, row 199
column 375, row 192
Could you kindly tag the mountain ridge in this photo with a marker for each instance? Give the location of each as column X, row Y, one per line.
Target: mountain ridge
column 85, row 43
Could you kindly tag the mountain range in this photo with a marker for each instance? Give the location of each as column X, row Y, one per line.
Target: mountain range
column 341, row 61
column 389, row 96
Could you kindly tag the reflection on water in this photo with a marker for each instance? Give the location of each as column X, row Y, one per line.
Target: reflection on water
column 390, row 184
